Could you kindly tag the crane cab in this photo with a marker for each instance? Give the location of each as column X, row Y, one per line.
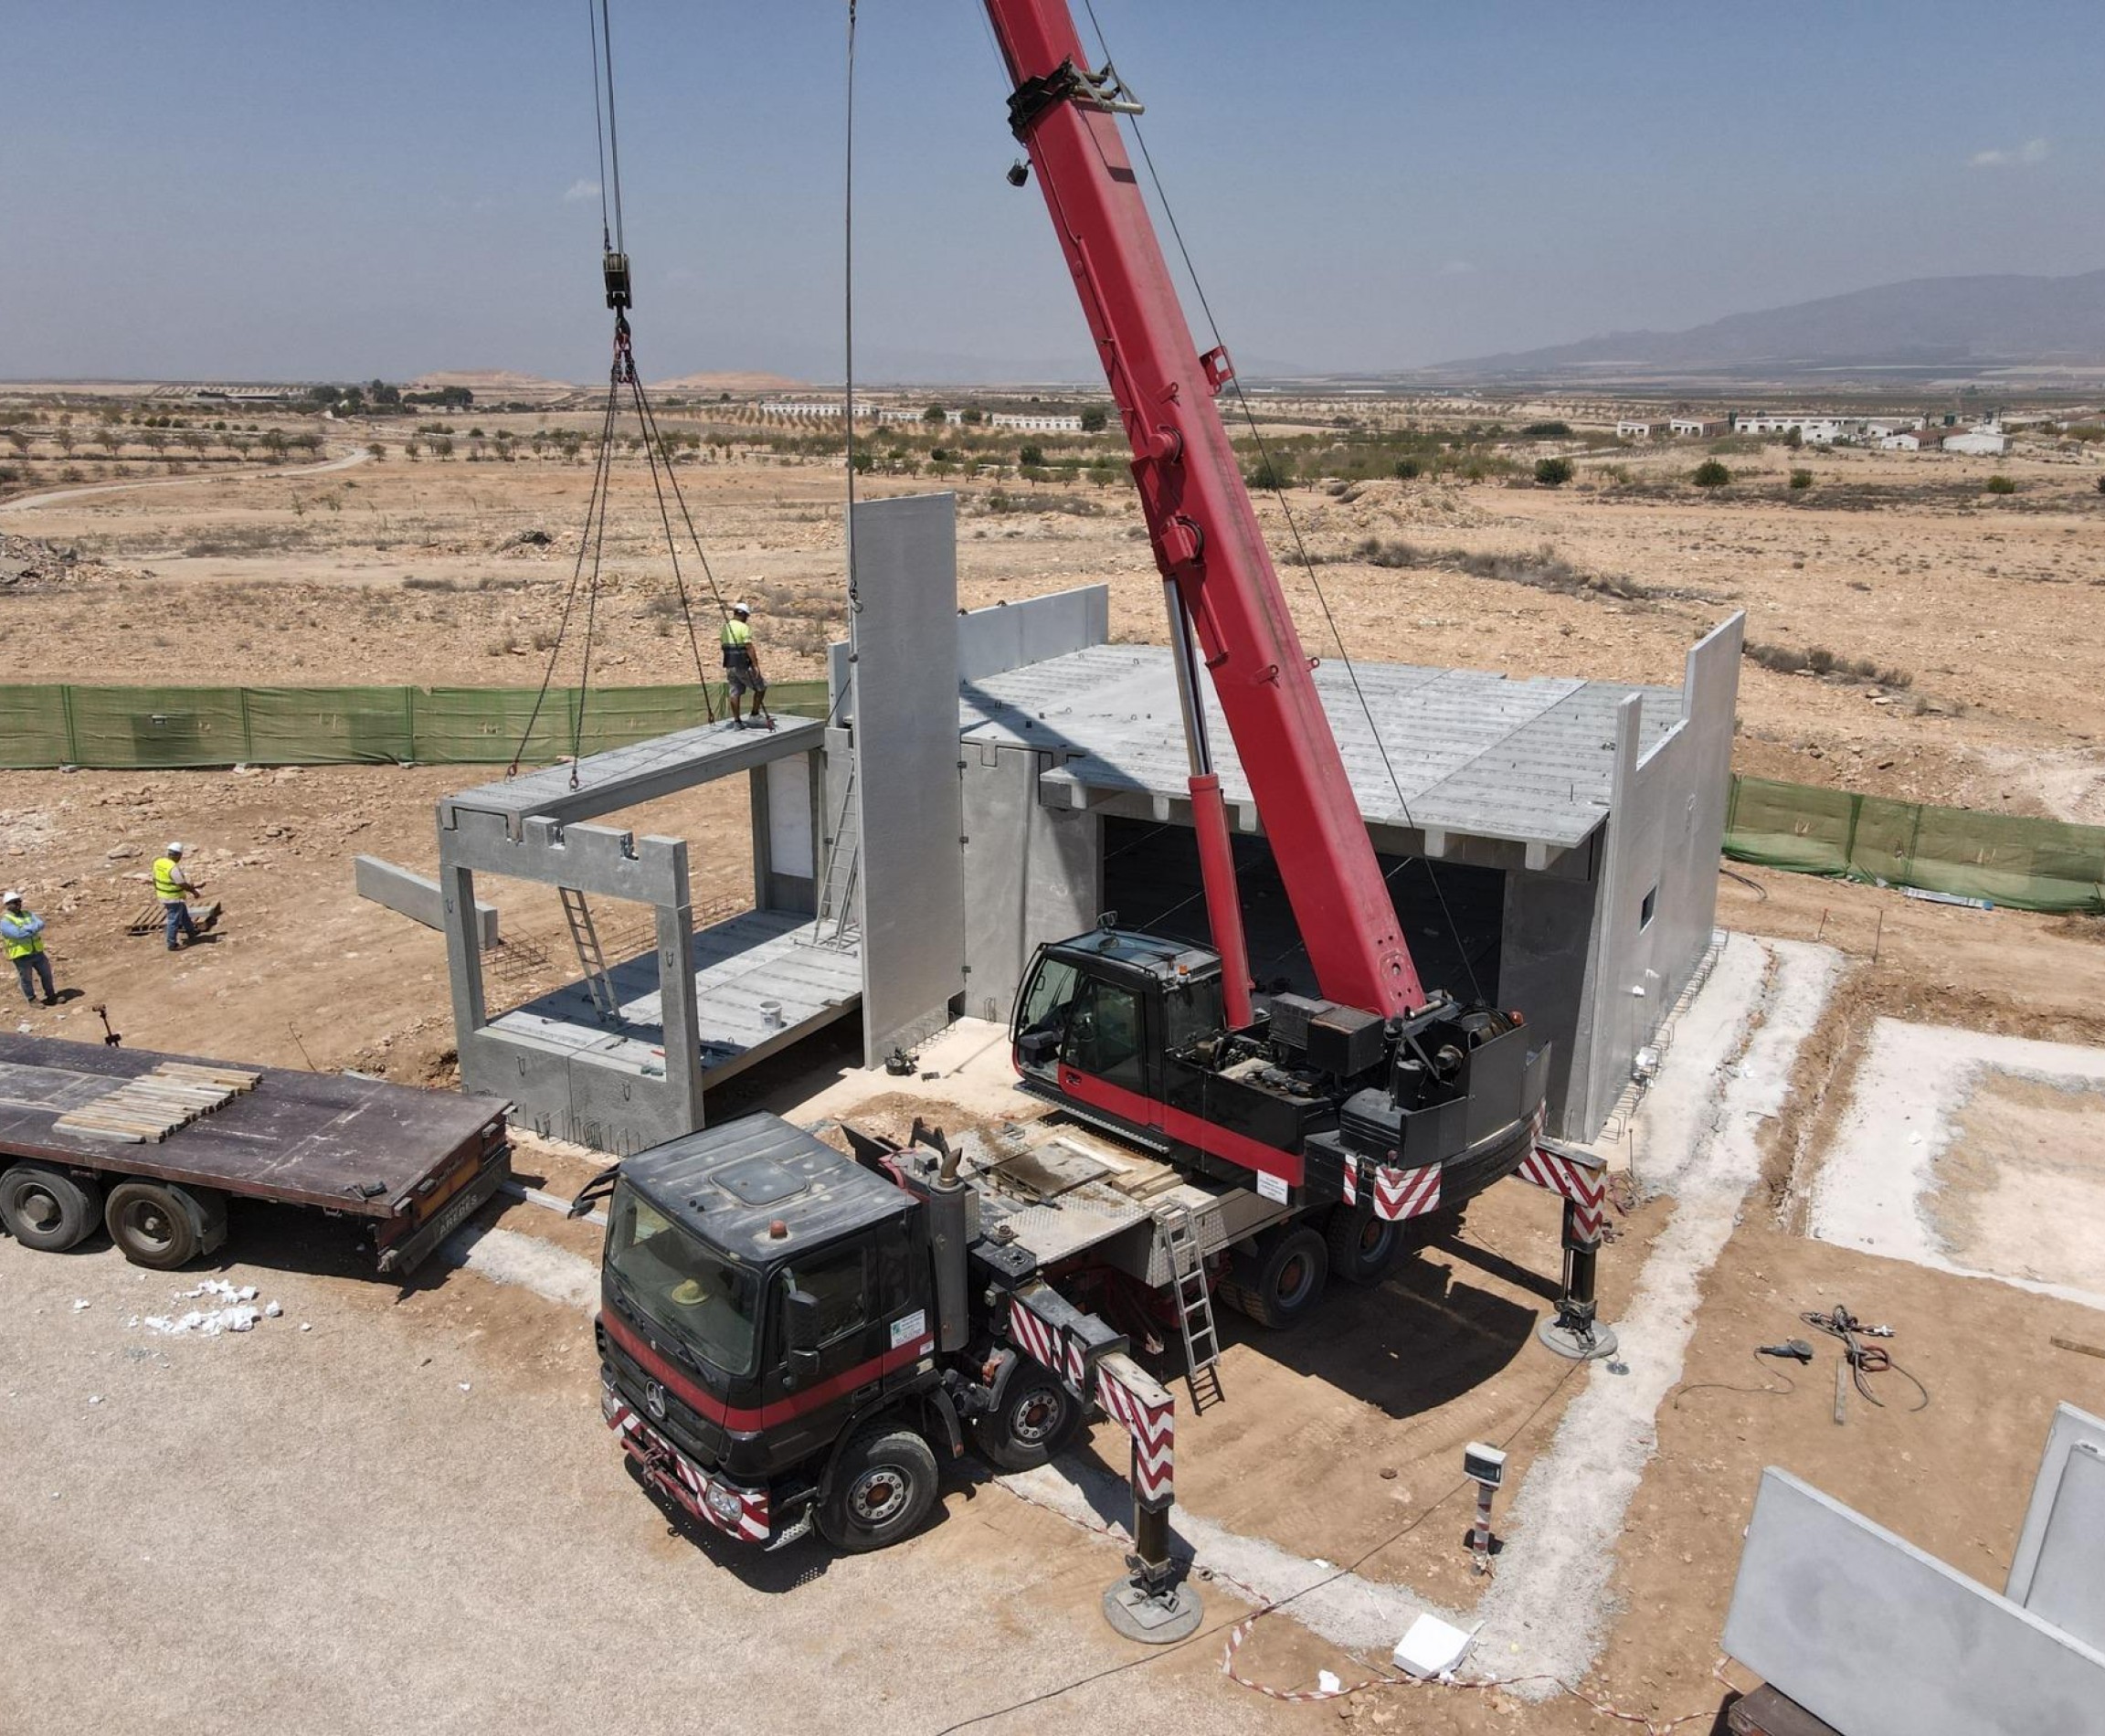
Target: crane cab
column 1128, row 1030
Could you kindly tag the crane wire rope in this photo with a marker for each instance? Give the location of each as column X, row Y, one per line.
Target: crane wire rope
column 655, row 444
column 1271, row 475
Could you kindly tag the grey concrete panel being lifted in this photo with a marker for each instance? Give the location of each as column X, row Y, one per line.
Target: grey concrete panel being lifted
column 1448, row 751
column 1871, row 1635
column 2055, row 1573
column 625, row 776
column 415, row 897
column 906, row 792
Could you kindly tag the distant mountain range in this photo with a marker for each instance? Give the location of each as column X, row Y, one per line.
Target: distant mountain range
column 1937, row 323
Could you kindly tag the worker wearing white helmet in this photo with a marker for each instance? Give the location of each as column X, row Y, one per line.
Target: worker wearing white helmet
column 742, row 669
column 173, row 887
column 22, row 932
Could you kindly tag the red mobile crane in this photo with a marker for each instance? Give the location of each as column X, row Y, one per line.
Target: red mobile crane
column 1382, row 1091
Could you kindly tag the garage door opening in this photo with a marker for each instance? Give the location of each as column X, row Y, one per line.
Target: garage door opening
column 1151, row 880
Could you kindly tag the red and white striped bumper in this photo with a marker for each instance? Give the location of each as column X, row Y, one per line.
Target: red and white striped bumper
column 744, row 1513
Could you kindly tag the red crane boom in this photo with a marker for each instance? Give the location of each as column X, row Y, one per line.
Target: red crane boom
column 1206, row 537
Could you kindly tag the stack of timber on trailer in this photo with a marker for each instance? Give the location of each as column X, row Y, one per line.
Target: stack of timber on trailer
column 153, row 1145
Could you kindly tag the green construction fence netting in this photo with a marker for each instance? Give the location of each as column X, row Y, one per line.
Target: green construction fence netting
column 174, row 728
column 2003, row 859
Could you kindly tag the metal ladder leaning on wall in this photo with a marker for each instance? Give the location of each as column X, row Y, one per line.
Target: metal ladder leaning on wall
column 835, row 924
column 585, row 938
column 1194, row 1302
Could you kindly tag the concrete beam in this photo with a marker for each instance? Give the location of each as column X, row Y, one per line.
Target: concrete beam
column 627, row 777
column 414, row 896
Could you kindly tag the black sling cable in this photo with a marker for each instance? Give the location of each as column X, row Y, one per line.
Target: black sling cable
column 592, row 504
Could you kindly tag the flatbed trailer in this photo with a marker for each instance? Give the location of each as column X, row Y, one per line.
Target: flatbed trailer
column 80, row 1149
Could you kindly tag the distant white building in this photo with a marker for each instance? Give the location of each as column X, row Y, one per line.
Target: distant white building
column 1978, row 442
column 1694, row 427
column 1814, row 430
column 1907, row 440
column 1635, row 430
column 1037, row 424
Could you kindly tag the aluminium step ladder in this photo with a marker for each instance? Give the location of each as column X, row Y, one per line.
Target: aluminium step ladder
column 585, row 938
column 1194, row 1302
column 835, row 923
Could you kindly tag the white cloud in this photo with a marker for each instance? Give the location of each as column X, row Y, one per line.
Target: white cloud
column 579, row 190
column 1457, row 267
column 2032, row 151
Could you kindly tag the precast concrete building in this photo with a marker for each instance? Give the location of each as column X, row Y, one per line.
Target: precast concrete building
column 1551, row 845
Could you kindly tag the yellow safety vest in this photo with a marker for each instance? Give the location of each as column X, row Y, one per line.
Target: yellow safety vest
column 166, row 888
column 24, row 945
column 736, row 634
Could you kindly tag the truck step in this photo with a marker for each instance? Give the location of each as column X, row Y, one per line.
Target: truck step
column 1194, row 1302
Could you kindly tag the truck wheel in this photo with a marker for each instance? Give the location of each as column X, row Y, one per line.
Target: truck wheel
column 883, row 1489
column 1278, row 1282
column 1362, row 1246
column 1035, row 1418
column 159, row 1224
column 47, row 1210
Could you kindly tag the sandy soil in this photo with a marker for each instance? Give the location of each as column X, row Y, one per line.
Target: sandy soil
column 214, row 1479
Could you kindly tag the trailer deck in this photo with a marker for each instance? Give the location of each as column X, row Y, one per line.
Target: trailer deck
column 361, row 1147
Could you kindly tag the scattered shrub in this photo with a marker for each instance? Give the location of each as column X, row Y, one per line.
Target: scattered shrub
column 1710, row 473
column 1546, row 431
column 1408, row 470
column 1552, row 473
column 1801, row 479
column 2001, row 485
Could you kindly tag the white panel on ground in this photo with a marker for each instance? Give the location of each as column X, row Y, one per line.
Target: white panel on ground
column 2054, row 1572
column 906, row 783
column 789, row 816
column 1874, row 1637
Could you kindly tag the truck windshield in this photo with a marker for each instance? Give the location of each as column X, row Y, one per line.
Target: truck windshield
column 708, row 1302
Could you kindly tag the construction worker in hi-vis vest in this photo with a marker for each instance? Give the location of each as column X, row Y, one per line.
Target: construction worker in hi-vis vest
column 742, row 670
column 173, row 887
column 21, row 931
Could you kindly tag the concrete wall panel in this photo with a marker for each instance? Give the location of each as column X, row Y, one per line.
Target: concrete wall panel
column 2054, row 1572
column 907, row 796
column 991, row 641
column 1035, row 872
column 1871, row 1635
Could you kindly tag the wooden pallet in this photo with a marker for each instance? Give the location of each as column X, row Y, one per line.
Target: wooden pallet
column 147, row 1109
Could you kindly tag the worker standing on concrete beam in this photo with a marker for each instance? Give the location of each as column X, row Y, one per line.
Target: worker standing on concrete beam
column 173, row 886
column 742, row 669
column 23, row 932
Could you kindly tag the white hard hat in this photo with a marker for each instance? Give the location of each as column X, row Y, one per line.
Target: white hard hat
column 174, row 850
column 10, row 898
column 740, row 609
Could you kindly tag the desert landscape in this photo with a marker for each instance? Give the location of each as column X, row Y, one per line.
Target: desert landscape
column 1912, row 630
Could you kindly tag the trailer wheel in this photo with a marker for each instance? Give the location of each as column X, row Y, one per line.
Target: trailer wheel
column 161, row 1225
column 1279, row 1280
column 47, row 1210
column 883, row 1489
column 1362, row 1246
column 1035, row 1418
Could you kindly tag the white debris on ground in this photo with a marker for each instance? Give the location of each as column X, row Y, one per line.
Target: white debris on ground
column 240, row 1316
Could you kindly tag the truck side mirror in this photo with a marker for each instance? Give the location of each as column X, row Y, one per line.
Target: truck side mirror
column 800, row 1327
column 1038, row 1048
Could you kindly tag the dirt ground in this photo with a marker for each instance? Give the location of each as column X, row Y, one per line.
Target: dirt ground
column 411, row 1513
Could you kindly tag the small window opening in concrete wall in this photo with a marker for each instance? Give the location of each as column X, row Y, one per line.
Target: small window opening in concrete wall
column 1645, row 910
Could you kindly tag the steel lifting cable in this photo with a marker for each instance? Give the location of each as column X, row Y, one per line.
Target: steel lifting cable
column 1300, row 549
column 622, row 372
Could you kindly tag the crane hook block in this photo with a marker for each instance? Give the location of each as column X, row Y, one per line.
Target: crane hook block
column 615, row 267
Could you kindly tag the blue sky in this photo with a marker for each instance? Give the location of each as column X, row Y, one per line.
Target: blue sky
column 316, row 190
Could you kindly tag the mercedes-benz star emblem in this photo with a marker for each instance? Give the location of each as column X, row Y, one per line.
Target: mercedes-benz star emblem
column 654, row 1399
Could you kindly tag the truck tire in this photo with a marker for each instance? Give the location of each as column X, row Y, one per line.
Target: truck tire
column 1034, row 1419
column 884, row 1486
column 161, row 1225
column 47, row 1210
column 1278, row 1279
column 1362, row 1246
